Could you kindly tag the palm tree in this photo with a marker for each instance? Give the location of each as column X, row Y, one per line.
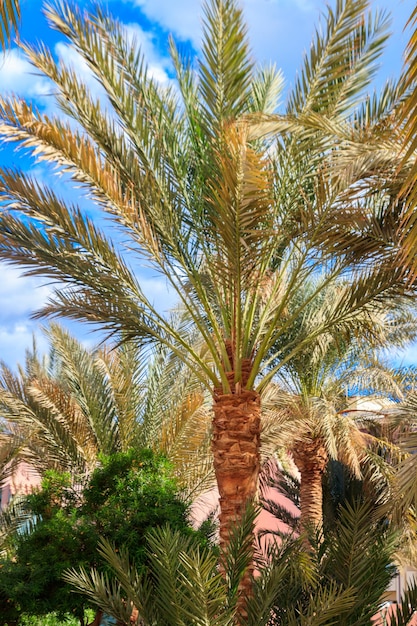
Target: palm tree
column 234, row 205
column 311, row 409
column 9, row 21
column 62, row 412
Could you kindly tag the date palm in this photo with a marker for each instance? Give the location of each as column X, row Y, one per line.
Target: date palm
column 62, row 412
column 310, row 410
column 62, row 415
column 407, row 226
column 408, row 119
column 234, row 205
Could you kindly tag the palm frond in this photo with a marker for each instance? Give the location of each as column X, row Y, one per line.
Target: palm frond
column 408, row 117
column 267, row 86
column 332, row 80
column 9, row 21
column 225, row 68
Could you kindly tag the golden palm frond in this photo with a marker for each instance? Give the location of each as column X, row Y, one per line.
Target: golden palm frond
column 9, row 21
column 408, row 119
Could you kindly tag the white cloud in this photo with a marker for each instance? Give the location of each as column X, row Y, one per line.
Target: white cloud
column 14, row 342
column 182, row 17
column 19, row 297
column 19, row 77
column 279, row 30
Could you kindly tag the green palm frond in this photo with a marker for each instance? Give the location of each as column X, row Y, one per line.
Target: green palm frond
column 101, row 590
column 182, row 586
column 225, row 68
column 122, row 369
column 141, row 107
column 342, row 60
column 339, row 584
column 267, row 86
column 377, row 109
column 186, row 587
column 325, row 608
column 354, row 535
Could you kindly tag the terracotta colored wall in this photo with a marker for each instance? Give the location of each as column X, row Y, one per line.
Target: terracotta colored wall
column 22, row 481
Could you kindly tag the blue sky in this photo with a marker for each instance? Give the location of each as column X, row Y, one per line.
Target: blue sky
column 280, row 31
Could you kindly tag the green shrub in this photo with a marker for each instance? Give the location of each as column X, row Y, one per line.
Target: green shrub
column 126, row 496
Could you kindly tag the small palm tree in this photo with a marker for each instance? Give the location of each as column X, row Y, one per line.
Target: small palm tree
column 342, row 583
column 310, row 410
column 62, row 412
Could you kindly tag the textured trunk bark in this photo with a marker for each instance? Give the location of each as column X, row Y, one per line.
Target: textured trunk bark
column 236, row 446
column 311, row 459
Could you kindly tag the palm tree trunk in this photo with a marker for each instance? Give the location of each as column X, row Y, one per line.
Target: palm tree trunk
column 236, row 450
column 311, row 459
column 236, row 445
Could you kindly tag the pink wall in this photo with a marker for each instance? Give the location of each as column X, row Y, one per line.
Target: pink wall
column 23, row 480
column 207, row 503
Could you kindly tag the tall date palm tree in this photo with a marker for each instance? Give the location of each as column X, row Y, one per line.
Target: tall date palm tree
column 234, row 205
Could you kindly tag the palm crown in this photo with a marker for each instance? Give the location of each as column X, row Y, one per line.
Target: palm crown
column 311, row 409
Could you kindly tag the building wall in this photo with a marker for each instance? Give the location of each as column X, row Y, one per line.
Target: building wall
column 23, row 481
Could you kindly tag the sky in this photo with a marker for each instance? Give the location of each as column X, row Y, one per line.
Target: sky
column 280, row 32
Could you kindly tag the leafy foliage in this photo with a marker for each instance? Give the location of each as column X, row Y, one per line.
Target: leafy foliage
column 339, row 582
column 61, row 411
column 130, row 493
column 234, row 206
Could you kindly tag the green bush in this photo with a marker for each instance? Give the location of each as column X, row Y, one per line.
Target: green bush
column 126, row 496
